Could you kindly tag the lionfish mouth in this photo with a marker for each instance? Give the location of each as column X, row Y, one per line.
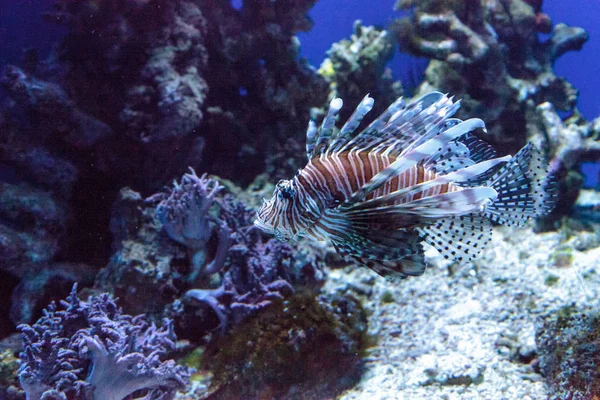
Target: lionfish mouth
column 260, row 224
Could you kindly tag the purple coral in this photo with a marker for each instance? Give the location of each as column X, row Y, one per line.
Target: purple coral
column 260, row 271
column 184, row 213
column 91, row 351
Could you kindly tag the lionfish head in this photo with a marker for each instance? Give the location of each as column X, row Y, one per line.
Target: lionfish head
column 273, row 217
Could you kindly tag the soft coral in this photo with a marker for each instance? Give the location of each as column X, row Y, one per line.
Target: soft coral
column 92, row 351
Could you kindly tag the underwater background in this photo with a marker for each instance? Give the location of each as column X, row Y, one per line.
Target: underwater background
column 139, row 137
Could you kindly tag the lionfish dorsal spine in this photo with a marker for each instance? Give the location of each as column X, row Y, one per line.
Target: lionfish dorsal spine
column 311, row 137
column 345, row 134
column 325, row 133
column 365, row 105
column 413, row 157
column 373, row 130
column 458, row 176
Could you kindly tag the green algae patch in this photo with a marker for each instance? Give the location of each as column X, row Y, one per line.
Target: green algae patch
column 551, row 280
column 301, row 347
column 9, row 365
column 568, row 344
column 562, row 257
column 387, row 297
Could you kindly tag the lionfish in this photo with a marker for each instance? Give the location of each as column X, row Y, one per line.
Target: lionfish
column 413, row 175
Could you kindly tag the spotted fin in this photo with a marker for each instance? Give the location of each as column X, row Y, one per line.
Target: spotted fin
column 460, row 238
column 463, row 152
column 525, row 189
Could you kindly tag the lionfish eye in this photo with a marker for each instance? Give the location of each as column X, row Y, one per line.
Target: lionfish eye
column 285, row 189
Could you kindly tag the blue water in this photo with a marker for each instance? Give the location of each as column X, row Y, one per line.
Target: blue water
column 22, row 26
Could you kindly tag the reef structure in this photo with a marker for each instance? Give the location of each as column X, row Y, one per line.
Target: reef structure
column 131, row 85
column 490, row 54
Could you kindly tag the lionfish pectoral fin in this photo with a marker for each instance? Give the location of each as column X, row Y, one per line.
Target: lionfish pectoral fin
column 464, row 201
column 458, row 238
column 467, row 174
column 386, row 251
column 396, row 269
column 525, row 189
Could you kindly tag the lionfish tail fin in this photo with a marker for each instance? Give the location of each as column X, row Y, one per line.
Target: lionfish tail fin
column 525, row 189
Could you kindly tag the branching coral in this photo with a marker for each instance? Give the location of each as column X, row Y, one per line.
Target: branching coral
column 569, row 142
column 147, row 269
column 489, row 53
column 92, row 351
column 260, row 271
column 184, row 214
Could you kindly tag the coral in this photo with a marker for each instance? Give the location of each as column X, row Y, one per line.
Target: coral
column 155, row 92
column 91, row 350
column 43, row 284
column 126, row 90
column 34, row 225
column 357, row 66
column 255, row 278
column 145, row 69
column 157, row 263
column 183, row 212
column 33, row 230
column 259, row 270
column 48, row 102
column 570, row 143
column 488, row 53
column 300, row 348
column 568, row 342
column 260, row 91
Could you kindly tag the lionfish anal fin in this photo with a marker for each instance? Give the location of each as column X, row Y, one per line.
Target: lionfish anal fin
column 460, row 238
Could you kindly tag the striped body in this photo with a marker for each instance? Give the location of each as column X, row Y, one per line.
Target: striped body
column 343, row 174
column 333, row 179
column 413, row 175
